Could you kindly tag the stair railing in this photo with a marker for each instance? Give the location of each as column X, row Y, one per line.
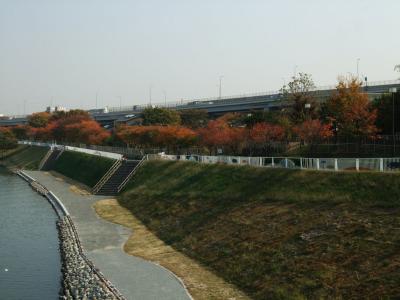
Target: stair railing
column 122, row 185
column 106, row 176
column 45, row 158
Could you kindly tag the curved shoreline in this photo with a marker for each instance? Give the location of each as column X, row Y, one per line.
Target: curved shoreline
column 103, row 241
column 76, row 267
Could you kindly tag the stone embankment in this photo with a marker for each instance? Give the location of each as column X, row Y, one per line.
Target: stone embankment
column 81, row 279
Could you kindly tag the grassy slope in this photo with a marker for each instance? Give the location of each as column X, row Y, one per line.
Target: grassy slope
column 82, row 167
column 26, row 157
column 277, row 234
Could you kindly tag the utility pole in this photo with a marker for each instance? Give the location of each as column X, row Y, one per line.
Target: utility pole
column 165, row 98
column 97, row 94
column 358, row 63
column 220, row 86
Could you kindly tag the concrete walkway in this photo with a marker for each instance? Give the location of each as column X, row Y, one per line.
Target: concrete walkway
column 102, row 241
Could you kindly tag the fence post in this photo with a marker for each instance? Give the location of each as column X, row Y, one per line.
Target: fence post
column 286, row 162
column 272, row 162
column 336, row 164
column 317, row 161
column 301, row 163
column 381, row 164
column 260, row 161
column 357, row 164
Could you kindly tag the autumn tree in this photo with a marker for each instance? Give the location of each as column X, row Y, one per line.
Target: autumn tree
column 311, row 131
column 219, row 134
column 299, row 94
column 20, row 131
column 265, row 135
column 350, row 110
column 38, row 120
column 194, row 118
column 86, row 131
column 160, row 116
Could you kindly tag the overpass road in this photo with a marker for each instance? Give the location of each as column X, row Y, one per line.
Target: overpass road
column 216, row 106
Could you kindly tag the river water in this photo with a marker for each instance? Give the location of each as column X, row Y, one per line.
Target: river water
column 30, row 266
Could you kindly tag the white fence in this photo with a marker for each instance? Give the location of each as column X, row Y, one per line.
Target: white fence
column 323, row 164
column 76, row 149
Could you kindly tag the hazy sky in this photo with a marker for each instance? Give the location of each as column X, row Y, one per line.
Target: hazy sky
column 64, row 52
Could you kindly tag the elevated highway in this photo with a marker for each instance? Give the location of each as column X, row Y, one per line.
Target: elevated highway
column 216, row 106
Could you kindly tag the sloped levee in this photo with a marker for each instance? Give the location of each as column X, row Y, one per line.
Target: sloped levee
column 25, row 157
column 277, row 233
column 85, row 168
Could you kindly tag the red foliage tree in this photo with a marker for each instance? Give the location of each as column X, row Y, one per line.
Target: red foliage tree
column 218, row 134
column 313, row 130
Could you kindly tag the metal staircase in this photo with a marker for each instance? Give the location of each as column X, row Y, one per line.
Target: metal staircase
column 50, row 158
column 117, row 177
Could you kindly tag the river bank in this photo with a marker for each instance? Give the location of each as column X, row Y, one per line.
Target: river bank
column 103, row 241
column 80, row 278
column 30, row 262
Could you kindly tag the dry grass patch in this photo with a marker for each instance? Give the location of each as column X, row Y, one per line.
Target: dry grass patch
column 201, row 282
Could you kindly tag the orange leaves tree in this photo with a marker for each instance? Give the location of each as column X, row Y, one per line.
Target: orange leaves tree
column 311, row 131
column 219, row 134
column 350, row 110
column 75, row 126
column 170, row 137
column 264, row 134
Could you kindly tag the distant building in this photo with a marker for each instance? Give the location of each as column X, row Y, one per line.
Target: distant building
column 50, row 109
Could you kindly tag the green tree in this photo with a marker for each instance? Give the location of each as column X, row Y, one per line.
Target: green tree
column 39, row 120
column 384, row 108
column 7, row 139
column 160, row 116
column 194, row 118
column 260, row 116
column 298, row 92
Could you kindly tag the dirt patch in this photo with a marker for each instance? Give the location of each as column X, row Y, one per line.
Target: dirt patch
column 201, row 282
column 75, row 187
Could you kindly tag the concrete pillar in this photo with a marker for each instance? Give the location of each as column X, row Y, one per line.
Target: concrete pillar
column 381, row 164
column 336, row 165
column 317, row 161
column 357, row 164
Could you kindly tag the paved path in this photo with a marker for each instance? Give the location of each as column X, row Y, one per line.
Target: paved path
column 134, row 277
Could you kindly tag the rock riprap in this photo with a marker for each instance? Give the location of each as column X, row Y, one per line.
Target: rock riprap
column 81, row 280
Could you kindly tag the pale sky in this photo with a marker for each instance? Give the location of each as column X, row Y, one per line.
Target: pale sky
column 65, row 51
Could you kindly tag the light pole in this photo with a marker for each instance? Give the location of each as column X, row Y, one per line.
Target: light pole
column 97, row 94
column 220, row 86
column 358, row 63
column 393, row 91
column 150, row 87
column 165, row 98
column 120, row 102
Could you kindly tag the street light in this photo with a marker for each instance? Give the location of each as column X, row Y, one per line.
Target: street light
column 393, row 91
column 220, row 86
column 120, row 102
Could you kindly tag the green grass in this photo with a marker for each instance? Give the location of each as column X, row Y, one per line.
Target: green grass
column 25, row 157
column 82, row 167
column 277, row 234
